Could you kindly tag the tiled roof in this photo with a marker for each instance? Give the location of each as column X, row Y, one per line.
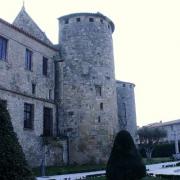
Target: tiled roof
column 164, row 123
column 24, row 22
column 27, row 34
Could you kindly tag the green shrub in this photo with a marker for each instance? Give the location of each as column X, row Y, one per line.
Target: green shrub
column 161, row 150
column 13, row 165
column 164, row 150
column 125, row 161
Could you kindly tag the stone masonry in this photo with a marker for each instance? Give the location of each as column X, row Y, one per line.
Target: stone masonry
column 89, row 103
column 16, row 87
column 88, row 106
column 126, row 106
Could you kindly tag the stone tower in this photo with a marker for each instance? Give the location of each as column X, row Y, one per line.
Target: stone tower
column 126, row 107
column 89, row 101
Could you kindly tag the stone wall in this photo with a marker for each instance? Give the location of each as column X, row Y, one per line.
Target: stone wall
column 16, row 88
column 14, row 76
column 81, row 90
column 89, row 99
column 126, row 107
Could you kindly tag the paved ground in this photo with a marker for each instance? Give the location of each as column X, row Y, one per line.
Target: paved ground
column 168, row 168
column 161, row 165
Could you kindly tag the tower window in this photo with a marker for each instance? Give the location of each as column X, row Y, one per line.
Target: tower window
column 28, row 60
column 171, row 127
column 70, row 113
column 66, row 21
column 33, row 88
column 124, row 110
column 50, row 93
column 91, row 20
column 124, row 85
column 3, row 48
column 101, row 20
column 98, row 90
column 78, row 19
column 101, row 106
column 45, row 66
column 108, row 26
column 28, row 115
column 99, row 119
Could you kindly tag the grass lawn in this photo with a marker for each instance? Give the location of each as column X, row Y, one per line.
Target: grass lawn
column 152, row 178
column 56, row 170
column 157, row 160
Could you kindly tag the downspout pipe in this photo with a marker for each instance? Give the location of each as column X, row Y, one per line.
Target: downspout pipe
column 59, row 74
column 58, row 91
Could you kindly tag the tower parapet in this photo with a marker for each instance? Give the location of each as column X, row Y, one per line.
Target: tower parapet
column 98, row 19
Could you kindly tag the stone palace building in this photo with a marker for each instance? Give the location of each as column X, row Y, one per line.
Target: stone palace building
column 63, row 99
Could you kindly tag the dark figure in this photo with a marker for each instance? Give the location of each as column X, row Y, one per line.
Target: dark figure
column 125, row 162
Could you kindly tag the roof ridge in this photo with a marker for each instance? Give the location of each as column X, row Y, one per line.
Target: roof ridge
column 27, row 34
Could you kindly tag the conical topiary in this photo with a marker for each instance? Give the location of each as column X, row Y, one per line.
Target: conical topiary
column 125, row 162
column 13, row 165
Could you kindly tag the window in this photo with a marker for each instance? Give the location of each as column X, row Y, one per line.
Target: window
column 66, row 21
column 48, row 122
column 28, row 115
column 71, row 113
column 101, row 106
column 124, row 110
column 3, row 103
column 91, row 20
column 101, row 20
column 50, row 93
column 45, row 66
column 99, row 119
column 123, row 116
column 33, row 88
column 98, row 90
column 28, row 60
column 78, row 19
column 3, row 48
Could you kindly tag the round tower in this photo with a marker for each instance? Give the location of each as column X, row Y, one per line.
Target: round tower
column 126, row 107
column 89, row 86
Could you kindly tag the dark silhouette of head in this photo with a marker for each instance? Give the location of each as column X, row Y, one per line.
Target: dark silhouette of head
column 125, row 162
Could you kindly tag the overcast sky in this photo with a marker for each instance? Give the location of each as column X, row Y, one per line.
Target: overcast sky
column 146, row 45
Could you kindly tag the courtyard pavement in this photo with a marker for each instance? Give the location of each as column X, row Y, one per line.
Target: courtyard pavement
column 168, row 168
